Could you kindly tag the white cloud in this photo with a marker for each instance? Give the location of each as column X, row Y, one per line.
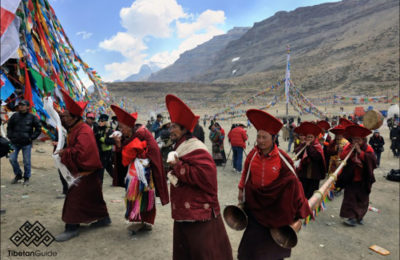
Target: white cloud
column 206, row 21
column 157, row 19
column 85, row 35
column 91, row 51
column 124, row 43
column 151, row 17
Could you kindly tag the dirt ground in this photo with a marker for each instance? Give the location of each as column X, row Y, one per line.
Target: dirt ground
column 324, row 238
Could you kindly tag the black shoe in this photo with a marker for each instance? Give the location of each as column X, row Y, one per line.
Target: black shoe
column 101, row 222
column 350, row 222
column 26, row 181
column 361, row 222
column 67, row 235
column 16, row 179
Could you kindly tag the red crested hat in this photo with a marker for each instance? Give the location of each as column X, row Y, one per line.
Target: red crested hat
column 264, row 121
column 337, row 130
column 299, row 130
column 76, row 108
column 323, row 124
column 180, row 113
column 357, row 131
column 345, row 122
column 124, row 117
column 310, row 128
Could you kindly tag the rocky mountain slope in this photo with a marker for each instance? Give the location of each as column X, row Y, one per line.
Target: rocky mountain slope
column 196, row 61
column 351, row 45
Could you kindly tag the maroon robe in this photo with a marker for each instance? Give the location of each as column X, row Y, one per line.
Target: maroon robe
column 356, row 193
column 84, row 201
column 275, row 205
column 199, row 232
column 312, row 168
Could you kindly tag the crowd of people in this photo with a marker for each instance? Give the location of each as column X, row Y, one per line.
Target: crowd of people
column 274, row 188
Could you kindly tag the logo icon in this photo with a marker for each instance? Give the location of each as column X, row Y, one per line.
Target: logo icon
column 34, row 233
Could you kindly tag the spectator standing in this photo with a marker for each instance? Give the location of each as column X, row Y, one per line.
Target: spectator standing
column 156, row 127
column 23, row 127
column 238, row 137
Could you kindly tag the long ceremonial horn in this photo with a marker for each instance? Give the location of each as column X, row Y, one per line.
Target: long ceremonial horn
column 286, row 236
column 297, row 154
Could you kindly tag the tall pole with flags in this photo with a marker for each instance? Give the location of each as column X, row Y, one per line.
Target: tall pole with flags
column 287, row 78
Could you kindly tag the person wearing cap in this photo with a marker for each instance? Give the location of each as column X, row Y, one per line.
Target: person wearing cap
column 156, row 127
column 357, row 175
column 22, row 128
column 105, row 143
column 377, row 143
column 270, row 190
column 312, row 167
column 238, row 137
column 199, row 232
column 84, row 201
column 335, row 147
column 139, row 169
column 90, row 120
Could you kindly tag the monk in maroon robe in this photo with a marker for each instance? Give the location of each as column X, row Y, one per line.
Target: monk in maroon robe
column 270, row 190
column 131, row 131
column 312, row 167
column 357, row 176
column 84, row 201
column 199, row 232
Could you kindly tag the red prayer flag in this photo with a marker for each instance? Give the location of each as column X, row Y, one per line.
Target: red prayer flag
column 28, row 89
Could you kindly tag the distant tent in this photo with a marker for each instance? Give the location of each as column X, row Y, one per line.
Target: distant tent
column 359, row 111
column 393, row 110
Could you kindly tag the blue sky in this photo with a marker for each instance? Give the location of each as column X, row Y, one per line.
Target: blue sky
column 116, row 37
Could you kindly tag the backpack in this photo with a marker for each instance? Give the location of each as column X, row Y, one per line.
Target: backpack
column 5, row 146
column 393, row 175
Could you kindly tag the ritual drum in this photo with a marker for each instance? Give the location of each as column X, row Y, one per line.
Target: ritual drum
column 373, row 119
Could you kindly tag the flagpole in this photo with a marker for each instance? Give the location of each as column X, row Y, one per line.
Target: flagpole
column 287, row 79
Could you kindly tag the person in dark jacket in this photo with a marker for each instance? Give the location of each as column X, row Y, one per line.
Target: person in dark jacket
column 198, row 132
column 23, row 127
column 377, row 142
column 104, row 143
column 156, row 127
column 395, row 138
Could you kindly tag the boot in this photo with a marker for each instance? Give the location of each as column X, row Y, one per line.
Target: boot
column 67, row 235
column 101, row 222
column 26, row 181
column 350, row 222
column 16, row 179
